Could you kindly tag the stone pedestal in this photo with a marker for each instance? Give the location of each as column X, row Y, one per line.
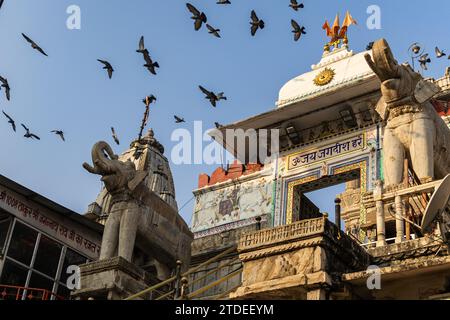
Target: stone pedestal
column 296, row 261
column 112, row 279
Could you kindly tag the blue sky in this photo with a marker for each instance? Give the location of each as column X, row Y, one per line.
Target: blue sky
column 69, row 90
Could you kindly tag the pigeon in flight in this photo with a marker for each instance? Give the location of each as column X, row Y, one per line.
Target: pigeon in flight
column 28, row 134
column 213, row 31
column 198, row 17
column 10, row 121
column 298, row 31
column 149, row 100
column 114, row 135
column 60, row 133
column 141, row 48
column 178, row 119
column 34, row 45
column 223, row 2
column 212, row 97
column 295, row 5
column 5, row 85
column 424, row 59
column 107, row 66
column 256, row 23
column 439, row 53
column 149, row 64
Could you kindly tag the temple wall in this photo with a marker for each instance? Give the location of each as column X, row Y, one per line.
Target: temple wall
column 233, row 205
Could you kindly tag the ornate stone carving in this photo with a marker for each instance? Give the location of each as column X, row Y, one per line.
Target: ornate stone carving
column 413, row 128
column 136, row 210
column 285, row 233
column 121, row 179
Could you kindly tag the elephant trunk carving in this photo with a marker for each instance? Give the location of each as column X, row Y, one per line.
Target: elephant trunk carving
column 413, row 129
column 137, row 212
column 100, row 153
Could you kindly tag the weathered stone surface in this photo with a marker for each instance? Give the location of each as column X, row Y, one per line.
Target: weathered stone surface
column 414, row 130
column 111, row 279
column 137, row 213
column 416, row 269
column 292, row 260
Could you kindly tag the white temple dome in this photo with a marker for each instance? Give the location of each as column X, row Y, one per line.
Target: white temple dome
column 346, row 68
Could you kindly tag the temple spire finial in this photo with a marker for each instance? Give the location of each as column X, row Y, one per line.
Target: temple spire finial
column 338, row 33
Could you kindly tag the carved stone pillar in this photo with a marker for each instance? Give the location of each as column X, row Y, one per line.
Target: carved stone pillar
column 381, row 224
column 399, row 221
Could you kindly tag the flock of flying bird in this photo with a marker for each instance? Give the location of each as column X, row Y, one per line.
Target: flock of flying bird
column 199, row 18
column 7, row 89
column 424, row 59
column 256, row 23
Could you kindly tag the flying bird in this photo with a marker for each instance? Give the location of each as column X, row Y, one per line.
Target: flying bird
column 114, row 135
column 5, row 85
column 149, row 64
column 60, row 133
column 34, row 45
column 424, row 59
column 213, row 31
column 298, row 31
column 256, row 23
column 178, row 119
column 28, row 134
column 149, row 100
column 295, row 5
column 212, row 97
column 10, row 121
column 141, row 48
column 107, row 66
column 198, row 17
column 223, row 2
column 439, row 53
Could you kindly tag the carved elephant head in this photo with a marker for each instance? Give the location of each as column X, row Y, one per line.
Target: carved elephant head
column 116, row 175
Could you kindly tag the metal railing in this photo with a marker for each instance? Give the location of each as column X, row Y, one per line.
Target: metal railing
column 213, row 284
column 8, row 292
column 176, row 279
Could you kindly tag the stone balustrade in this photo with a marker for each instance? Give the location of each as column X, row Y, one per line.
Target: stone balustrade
column 443, row 82
column 300, row 229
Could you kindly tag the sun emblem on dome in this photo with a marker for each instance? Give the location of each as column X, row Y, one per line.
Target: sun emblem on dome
column 324, row 77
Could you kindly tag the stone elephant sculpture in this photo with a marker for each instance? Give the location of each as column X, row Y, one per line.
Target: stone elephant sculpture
column 413, row 129
column 137, row 216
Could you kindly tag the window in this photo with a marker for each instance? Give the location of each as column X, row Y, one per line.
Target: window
column 40, row 282
column 22, row 243
column 47, row 257
column 34, row 266
column 13, row 274
column 4, row 227
column 71, row 258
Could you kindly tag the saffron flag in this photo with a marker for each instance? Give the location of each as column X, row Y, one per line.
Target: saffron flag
column 348, row 21
column 336, row 26
column 326, row 27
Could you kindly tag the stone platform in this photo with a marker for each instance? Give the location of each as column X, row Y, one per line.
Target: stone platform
column 112, row 279
column 302, row 260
